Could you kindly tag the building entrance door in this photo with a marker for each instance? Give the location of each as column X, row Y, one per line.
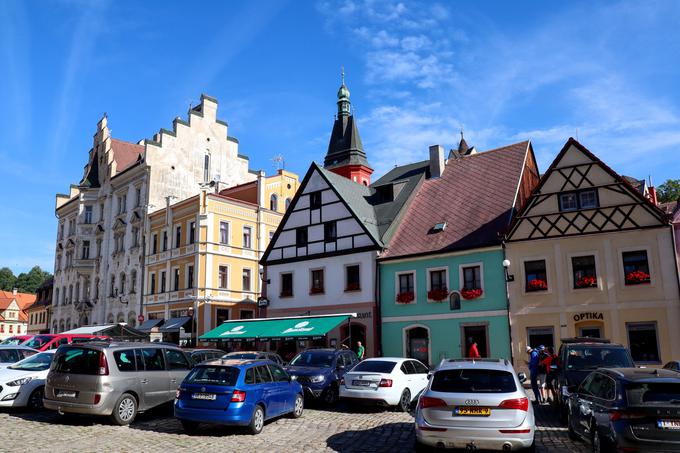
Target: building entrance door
column 418, row 344
column 475, row 333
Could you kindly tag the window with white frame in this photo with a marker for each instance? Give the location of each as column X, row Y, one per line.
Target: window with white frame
column 224, row 232
column 88, row 214
column 175, row 279
column 247, row 237
column 472, row 277
column 223, row 276
column 246, row 280
column 406, row 287
column 190, row 276
column 437, row 279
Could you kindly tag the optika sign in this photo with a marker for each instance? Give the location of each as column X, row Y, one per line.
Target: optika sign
column 299, row 327
column 588, row 316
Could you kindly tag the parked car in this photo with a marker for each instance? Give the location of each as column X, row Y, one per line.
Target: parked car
column 10, row 354
column 673, row 365
column 578, row 357
column 23, row 383
column 627, row 409
column 15, row 340
column 47, row 341
column 114, row 379
column 388, row 381
column 237, row 392
column 474, row 404
column 320, row 370
column 199, row 355
column 262, row 355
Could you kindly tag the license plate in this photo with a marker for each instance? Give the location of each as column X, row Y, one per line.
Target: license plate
column 66, row 394
column 668, row 424
column 204, row 396
column 472, row 411
column 361, row 383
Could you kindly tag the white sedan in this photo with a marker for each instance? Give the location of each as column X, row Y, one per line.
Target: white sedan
column 23, row 383
column 389, row 381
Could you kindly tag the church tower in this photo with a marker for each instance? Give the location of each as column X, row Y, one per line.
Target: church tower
column 346, row 155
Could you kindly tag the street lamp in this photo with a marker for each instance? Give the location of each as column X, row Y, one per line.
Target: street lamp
column 506, row 265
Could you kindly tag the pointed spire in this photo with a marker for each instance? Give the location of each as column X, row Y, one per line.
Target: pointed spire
column 462, row 145
column 344, row 105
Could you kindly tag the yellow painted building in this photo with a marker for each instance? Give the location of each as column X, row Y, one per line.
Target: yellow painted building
column 202, row 256
column 592, row 256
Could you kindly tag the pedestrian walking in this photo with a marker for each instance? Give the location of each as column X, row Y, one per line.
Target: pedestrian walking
column 550, row 363
column 361, row 351
column 473, row 351
column 533, row 372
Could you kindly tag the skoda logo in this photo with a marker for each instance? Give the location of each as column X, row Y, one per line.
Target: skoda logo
column 301, row 324
column 237, row 328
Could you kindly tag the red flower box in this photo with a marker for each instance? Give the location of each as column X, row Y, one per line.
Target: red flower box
column 471, row 293
column 354, row 286
column 637, row 278
column 406, row 298
column 537, row 285
column 316, row 291
column 438, row 294
column 586, row 282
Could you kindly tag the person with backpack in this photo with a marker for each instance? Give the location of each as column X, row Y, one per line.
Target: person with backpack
column 551, row 371
column 533, row 372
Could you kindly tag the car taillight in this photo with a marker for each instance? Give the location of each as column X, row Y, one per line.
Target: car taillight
column 426, row 401
column 626, row 415
column 97, row 398
column 238, row 396
column 103, row 365
column 520, row 404
column 515, row 431
column 385, row 383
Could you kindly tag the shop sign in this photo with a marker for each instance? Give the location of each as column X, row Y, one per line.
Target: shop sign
column 588, row 316
column 364, row 315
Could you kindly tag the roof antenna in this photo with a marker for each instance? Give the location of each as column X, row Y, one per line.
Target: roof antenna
column 342, row 74
column 279, row 162
column 577, row 134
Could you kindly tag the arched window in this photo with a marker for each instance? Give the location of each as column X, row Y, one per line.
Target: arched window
column 121, row 317
column 132, row 319
column 77, row 292
column 122, row 283
column 206, row 168
column 133, row 280
column 287, row 203
column 274, row 202
column 113, row 286
column 61, row 326
column 70, row 294
column 109, row 319
column 56, row 296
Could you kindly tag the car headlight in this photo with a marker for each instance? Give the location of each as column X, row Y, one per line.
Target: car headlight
column 317, row 379
column 21, row 381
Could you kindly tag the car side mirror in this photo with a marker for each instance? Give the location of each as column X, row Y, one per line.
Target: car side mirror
column 429, row 375
column 522, row 377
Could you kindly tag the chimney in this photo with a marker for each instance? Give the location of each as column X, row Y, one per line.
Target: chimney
column 14, row 291
column 436, row 161
column 652, row 195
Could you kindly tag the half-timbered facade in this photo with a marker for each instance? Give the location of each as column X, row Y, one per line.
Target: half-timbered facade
column 592, row 256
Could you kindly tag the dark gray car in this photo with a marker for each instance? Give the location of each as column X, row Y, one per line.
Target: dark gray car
column 114, row 379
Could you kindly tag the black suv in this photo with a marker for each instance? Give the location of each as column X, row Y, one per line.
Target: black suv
column 627, row 409
column 320, row 370
column 578, row 357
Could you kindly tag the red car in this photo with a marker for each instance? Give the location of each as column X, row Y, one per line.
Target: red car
column 16, row 340
column 49, row 341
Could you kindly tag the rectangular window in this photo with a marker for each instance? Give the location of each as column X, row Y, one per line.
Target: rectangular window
column 247, row 237
column 101, row 212
column 175, row 283
column 224, row 233
column 178, row 236
column 190, row 277
column 583, row 268
column 636, row 267
column 162, row 281
column 353, row 278
column 88, row 214
column 472, row 277
column 587, row 199
column 154, row 244
column 165, row 241
column 315, row 200
column 221, row 315
column 643, row 342
column 537, row 336
column 192, row 232
column 301, row 236
column 582, row 199
column 224, row 276
column 86, row 250
column 138, row 197
column 406, row 283
column 535, row 276
column 568, row 201
column 122, row 204
column 246, row 280
column 286, row 285
column 330, row 232
column 317, row 282
column 247, row 314
column 135, row 237
column 438, row 280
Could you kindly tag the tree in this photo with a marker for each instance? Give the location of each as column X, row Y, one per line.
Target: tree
column 31, row 281
column 7, row 279
column 668, row 191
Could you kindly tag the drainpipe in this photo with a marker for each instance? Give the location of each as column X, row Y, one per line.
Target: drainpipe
column 377, row 322
column 507, row 299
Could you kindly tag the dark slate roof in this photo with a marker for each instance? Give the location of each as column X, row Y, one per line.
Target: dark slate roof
column 345, row 147
column 91, row 180
column 638, row 184
column 474, row 196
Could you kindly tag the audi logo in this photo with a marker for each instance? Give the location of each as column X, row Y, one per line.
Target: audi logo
column 472, row 402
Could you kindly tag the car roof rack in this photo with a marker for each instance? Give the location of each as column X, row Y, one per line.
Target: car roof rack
column 584, row 340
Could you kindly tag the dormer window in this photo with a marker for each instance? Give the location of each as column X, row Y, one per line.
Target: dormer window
column 441, row 226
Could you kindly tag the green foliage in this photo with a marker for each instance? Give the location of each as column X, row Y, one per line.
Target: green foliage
column 26, row 282
column 668, row 191
column 7, row 279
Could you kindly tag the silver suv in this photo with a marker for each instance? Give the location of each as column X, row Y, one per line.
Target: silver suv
column 114, row 379
column 474, row 404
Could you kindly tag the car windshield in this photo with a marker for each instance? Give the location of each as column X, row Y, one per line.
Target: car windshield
column 313, row 359
column 241, row 355
column 473, row 381
column 37, row 362
column 640, row 393
column 375, row 366
column 592, row 357
column 214, row 375
column 37, row 341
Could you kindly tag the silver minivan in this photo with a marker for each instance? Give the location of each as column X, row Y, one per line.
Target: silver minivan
column 114, row 379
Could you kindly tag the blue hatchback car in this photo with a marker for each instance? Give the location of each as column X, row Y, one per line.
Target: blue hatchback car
column 237, row 392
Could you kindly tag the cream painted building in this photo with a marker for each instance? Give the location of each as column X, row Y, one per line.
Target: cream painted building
column 203, row 253
column 101, row 221
column 13, row 318
column 591, row 256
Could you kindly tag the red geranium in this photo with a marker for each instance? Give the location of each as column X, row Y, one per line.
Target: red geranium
column 537, row 285
column 438, row 294
column 471, row 293
column 406, row 298
column 586, row 282
column 637, row 278
column 316, row 290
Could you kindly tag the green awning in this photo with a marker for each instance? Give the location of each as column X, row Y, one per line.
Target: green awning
column 301, row 328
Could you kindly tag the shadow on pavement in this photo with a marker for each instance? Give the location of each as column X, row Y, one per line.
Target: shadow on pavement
column 388, row 437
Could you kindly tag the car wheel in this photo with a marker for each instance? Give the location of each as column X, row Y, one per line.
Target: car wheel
column 298, row 407
column 35, row 401
column 404, row 401
column 125, row 410
column 257, row 422
column 189, row 426
column 600, row 444
column 330, row 396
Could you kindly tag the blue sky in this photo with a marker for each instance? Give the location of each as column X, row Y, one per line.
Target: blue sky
column 418, row 72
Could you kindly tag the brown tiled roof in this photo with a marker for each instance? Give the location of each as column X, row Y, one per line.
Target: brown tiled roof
column 672, row 208
column 474, row 196
column 125, row 154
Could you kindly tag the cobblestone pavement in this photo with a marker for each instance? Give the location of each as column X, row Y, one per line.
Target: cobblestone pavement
column 339, row 430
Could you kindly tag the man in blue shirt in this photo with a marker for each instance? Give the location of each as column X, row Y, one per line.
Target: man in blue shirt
column 533, row 372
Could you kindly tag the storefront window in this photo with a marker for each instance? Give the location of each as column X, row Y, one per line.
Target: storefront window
column 643, row 342
column 537, row 336
column 584, row 273
column 535, row 276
